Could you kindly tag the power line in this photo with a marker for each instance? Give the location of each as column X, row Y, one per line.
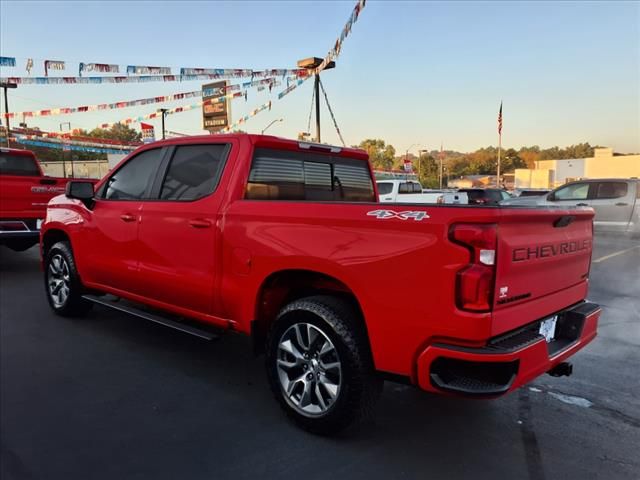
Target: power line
column 335, row 124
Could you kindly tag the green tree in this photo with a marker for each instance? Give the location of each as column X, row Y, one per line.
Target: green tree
column 118, row 131
column 381, row 155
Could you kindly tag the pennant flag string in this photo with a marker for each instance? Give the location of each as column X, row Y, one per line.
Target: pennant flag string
column 7, row 62
column 337, row 48
column 134, row 103
column 220, row 74
column 52, row 65
column 264, row 106
column 63, row 146
column 142, row 70
column 184, row 108
column 98, row 67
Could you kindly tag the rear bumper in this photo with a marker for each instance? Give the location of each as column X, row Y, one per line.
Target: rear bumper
column 18, row 229
column 509, row 360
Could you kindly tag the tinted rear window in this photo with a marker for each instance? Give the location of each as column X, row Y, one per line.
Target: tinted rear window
column 385, row 187
column 284, row 175
column 611, row 190
column 23, row 165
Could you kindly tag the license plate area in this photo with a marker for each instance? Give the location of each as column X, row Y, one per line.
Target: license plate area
column 548, row 328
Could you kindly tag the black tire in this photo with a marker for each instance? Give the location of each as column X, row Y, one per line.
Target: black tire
column 359, row 387
column 59, row 265
column 20, row 245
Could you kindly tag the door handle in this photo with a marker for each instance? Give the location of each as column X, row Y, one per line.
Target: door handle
column 621, row 204
column 127, row 217
column 199, row 223
column 582, row 205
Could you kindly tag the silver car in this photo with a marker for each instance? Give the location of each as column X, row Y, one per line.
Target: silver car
column 616, row 201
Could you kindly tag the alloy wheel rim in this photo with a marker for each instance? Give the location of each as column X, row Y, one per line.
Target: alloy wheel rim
column 58, row 280
column 309, row 369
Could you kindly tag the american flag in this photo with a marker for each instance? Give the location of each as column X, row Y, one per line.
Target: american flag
column 500, row 120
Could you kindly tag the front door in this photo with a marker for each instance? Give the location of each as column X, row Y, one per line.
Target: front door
column 571, row 195
column 110, row 240
column 178, row 232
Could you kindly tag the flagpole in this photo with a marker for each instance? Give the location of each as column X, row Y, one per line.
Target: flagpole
column 499, row 151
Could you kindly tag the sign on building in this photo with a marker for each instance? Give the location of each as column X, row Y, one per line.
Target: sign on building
column 215, row 116
column 148, row 133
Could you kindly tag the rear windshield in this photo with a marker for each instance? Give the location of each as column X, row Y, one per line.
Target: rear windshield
column 285, row 175
column 23, row 165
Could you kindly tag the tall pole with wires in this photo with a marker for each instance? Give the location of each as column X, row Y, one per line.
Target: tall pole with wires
column 311, row 64
column 499, row 144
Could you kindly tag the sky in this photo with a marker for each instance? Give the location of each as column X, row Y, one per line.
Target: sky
column 416, row 74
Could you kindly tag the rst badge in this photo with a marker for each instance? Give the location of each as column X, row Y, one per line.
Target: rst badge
column 416, row 215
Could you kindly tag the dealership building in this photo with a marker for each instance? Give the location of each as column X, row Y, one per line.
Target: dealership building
column 552, row 173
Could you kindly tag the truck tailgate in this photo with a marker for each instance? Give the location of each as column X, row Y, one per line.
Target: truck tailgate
column 542, row 263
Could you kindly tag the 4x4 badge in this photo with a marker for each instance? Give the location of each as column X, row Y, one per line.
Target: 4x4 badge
column 416, row 215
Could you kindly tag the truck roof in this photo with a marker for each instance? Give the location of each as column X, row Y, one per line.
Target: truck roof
column 268, row 141
column 17, row 151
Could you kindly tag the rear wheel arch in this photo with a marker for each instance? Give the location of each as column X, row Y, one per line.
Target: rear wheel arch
column 285, row 286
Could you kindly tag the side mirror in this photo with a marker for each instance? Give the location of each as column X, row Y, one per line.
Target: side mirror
column 551, row 197
column 80, row 191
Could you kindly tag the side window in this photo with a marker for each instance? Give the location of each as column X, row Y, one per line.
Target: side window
column 611, row 190
column 22, row 165
column 505, row 195
column 404, row 188
column 284, row 175
column 385, row 188
column 416, row 188
column 576, row 191
column 353, row 182
column 131, row 181
column 194, row 172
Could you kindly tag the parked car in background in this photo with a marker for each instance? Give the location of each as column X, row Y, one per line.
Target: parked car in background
column 616, row 201
column 405, row 191
column 24, row 193
column 286, row 241
column 452, row 197
column 529, row 192
column 485, row 196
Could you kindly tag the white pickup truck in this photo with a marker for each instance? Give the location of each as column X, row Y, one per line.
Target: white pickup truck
column 410, row 191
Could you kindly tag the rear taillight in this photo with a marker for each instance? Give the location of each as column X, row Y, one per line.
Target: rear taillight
column 475, row 282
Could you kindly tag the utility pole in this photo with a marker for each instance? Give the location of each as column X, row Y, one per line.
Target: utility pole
column 441, row 165
column 6, row 86
column 64, row 153
column 164, row 114
column 311, row 64
column 420, row 152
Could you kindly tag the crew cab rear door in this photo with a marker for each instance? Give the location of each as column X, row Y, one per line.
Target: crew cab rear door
column 24, row 192
column 178, row 236
column 613, row 202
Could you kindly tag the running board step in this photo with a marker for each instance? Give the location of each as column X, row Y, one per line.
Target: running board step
column 130, row 308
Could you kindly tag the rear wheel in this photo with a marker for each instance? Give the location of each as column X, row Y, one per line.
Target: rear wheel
column 319, row 365
column 62, row 283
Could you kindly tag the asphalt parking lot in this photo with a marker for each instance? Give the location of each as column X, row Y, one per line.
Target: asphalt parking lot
column 111, row 396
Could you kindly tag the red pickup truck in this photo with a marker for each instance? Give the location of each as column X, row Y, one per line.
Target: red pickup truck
column 24, row 193
column 285, row 241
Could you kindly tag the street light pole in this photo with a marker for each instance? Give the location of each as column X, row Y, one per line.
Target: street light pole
column 6, row 86
column 267, row 127
column 311, row 64
column 420, row 152
column 164, row 114
column 64, row 154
